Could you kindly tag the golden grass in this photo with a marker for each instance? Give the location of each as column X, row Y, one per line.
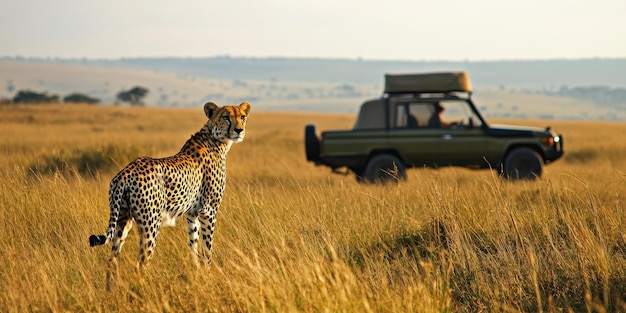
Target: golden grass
column 294, row 237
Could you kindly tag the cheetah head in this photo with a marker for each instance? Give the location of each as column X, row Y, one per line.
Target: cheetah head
column 227, row 122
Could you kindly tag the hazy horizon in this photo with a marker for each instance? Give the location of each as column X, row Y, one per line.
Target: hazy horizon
column 396, row 30
column 272, row 57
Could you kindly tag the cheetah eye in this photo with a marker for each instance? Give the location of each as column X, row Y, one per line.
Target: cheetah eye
column 226, row 118
column 243, row 118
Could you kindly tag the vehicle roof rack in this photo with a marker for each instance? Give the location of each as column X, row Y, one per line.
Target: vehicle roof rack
column 428, row 95
column 427, row 83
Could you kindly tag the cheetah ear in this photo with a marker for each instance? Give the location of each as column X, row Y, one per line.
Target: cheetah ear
column 209, row 109
column 245, row 106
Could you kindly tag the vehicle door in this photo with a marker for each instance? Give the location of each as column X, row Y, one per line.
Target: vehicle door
column 462, row 139
column 409, row 134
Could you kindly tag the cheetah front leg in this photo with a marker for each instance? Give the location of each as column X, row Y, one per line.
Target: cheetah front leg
column 207, row 220
column 193, row 228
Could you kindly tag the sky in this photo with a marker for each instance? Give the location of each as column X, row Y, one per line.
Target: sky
column 412, row 30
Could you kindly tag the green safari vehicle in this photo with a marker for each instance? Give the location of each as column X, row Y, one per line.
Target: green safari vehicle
column 430, row 120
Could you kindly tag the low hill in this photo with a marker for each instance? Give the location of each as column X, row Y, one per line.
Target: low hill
column 518, row 74
column 553, row 89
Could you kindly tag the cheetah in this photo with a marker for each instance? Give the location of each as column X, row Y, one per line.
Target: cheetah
column 154, row 192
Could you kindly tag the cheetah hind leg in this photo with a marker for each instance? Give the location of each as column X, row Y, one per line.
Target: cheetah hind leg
column 148, row 234
column 119, row 236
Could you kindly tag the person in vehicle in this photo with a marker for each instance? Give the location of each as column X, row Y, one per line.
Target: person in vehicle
column 412, row 121
column 435, row 120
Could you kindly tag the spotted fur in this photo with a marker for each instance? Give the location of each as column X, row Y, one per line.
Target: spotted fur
column 154, row 192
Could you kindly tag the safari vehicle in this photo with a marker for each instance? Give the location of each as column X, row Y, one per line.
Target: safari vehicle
column 401, row 130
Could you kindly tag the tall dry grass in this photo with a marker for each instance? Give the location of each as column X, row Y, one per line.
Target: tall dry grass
column 294, row 237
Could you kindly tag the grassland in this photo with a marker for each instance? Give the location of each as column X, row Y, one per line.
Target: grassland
column 293, row 237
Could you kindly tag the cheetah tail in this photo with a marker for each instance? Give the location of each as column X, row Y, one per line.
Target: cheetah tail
column 97, row 240
column 115, row 204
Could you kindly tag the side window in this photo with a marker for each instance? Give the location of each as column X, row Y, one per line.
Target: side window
column 457, row 114
column 401, row 116
column 454, row 114
column 413, row 114
column 421, row 112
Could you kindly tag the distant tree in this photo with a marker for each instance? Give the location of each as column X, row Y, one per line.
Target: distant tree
column 28, row 96
column 133, row 96
column 80, row 98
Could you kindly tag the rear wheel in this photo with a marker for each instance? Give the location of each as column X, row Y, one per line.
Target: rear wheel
column 523, row 163
column 383, row 168
column 311, row 143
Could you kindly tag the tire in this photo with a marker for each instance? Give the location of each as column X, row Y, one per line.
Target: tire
column 383, row 168
column 311, row 143
column 523, row 164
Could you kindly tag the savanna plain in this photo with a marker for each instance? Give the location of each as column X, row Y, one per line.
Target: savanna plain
column 292, row 237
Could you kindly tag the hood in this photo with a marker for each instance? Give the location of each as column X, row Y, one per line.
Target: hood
column 511, row 130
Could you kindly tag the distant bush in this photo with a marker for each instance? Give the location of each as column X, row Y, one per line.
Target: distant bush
column 80, row 98
column 29, row 96
column 133, row 96
column 87, row 162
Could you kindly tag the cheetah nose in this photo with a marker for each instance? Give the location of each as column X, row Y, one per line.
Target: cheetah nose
column 238, row 130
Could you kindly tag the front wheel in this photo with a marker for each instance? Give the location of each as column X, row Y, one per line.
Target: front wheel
column 523, row 163
column 383, row 168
